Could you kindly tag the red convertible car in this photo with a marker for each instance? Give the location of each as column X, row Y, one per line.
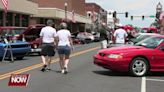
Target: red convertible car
column 145, row 56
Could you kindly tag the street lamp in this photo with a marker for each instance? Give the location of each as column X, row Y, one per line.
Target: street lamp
column 65, row 8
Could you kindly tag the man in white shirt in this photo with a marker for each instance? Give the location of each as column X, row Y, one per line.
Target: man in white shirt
column 120, row 36
column 48, row 35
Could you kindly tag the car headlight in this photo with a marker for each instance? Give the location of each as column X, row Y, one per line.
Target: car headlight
column 115, row 56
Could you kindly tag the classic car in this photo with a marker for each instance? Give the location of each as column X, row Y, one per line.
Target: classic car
column 10, row 45
column 31, row 35
column 139, row 59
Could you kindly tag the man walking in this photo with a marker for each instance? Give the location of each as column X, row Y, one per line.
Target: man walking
column 120, row 35
column 48, row 35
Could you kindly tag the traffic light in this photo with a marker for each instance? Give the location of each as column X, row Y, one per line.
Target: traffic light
column 114, row 14
column 126, row 14
column 143, row 17
column 131, row 17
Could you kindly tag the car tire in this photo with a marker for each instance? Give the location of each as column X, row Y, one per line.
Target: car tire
column 139, row 67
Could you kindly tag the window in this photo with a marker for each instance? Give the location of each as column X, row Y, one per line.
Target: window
column 9, row 19
column 1, row 18
column 17, row 19
column 25, row 20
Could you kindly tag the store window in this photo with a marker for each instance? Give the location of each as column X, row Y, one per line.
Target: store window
column 17, row 19
column 25, row 20
column 42, row 21
column 1, row 18
column 9, row 19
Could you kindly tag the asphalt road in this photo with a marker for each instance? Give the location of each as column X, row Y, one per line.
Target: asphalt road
column 83, row 76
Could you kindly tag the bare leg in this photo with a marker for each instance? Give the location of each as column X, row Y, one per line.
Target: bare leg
column 66, row 61
column 44, row 60
column 61, row 62
column 49, row 62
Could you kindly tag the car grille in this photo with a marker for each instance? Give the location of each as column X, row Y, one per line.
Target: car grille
column 102, row 54
column 19, row 46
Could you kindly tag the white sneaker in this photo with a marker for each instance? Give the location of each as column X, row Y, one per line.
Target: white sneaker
column 65, row 70
column 62, row 71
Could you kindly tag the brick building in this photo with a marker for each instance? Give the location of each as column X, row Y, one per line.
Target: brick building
column 97, row 14
column 74, row 12
column 27, row 12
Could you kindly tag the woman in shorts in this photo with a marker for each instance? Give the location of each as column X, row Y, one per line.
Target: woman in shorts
column 64, row 43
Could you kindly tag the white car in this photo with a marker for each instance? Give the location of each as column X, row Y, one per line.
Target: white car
column 85, row 37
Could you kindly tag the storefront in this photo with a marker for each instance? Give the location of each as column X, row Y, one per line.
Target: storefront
column 14, row 19
column 18, row 14
column 75, row 23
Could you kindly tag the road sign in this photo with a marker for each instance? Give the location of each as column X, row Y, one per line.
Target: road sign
column 152, row 16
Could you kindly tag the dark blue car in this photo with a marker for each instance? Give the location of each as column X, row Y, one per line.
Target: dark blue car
column 9, row 44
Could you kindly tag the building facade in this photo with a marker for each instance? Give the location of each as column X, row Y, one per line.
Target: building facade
column 29, row 12
column 71, row 11
column 97, row 14
column 18, row 13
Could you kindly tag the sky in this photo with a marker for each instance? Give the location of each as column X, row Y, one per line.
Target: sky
column 134, row 8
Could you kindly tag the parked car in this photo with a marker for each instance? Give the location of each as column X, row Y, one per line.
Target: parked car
column 145, row 56
column 85, row 37
column 149, row 30
column 96, row 36
column 8, row 38
column 74, row 38
column 141, row 36
column 31, row 35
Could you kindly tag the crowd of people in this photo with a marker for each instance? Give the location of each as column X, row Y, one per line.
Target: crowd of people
column 61, row 42
column 119, row 35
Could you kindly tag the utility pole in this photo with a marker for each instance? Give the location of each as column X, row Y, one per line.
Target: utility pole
column 65, row 8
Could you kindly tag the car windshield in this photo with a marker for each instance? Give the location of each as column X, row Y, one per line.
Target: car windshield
column 143, row 31
column 151, row 42
column 141, row 37
column 11, row 32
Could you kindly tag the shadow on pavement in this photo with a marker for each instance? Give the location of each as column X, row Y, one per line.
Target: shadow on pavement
column 155, row 74
column 126, row 74
column 111, row 73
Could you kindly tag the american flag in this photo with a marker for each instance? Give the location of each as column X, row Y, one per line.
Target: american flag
column 5, row 4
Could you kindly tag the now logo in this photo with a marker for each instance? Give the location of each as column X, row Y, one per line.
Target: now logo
column 19, row 80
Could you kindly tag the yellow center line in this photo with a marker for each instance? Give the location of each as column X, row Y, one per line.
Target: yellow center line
column 6, row 75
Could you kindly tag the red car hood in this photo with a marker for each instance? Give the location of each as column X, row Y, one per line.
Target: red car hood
column 122, row 49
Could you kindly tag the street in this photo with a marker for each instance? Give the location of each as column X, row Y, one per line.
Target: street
column 83, row 76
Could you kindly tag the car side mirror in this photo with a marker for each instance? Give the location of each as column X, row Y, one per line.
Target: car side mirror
column 162, row 48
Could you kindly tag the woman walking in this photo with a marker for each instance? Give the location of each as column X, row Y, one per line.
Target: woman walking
column 64, row 43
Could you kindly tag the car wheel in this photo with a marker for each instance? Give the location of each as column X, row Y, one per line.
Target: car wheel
column 139, row 67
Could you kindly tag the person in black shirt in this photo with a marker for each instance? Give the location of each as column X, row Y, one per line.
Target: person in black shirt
column 103, row 38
